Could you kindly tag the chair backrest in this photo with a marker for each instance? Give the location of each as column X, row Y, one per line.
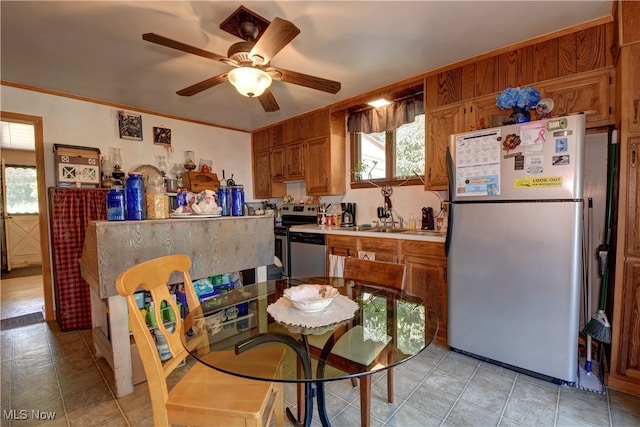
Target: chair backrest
column 387, row 274
column 153, row 276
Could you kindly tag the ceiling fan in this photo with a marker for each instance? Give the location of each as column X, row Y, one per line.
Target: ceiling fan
column 252, row 73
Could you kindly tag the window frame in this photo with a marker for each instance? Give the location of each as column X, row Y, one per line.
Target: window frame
column 6, row 196
column 390, row 156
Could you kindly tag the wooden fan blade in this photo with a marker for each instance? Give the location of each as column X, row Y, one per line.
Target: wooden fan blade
column 277, row 35
column 164, row 41
column 306, row 80
column 203, row 85
column 268, row 101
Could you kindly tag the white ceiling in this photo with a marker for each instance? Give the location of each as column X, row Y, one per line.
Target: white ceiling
column 94, row 49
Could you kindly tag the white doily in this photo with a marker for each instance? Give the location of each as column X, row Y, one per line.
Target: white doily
column 342, row 308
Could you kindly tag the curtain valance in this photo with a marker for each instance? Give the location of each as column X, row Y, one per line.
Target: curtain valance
column 386, row 118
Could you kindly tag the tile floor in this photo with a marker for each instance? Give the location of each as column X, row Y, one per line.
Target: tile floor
column 46, row 370
column 50, row 371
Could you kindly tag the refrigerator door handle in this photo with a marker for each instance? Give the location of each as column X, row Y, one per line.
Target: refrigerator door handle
column 450, row 224
column 450, row 178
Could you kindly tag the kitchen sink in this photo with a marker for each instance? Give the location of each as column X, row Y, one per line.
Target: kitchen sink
column 426, row 233
column 389, row 230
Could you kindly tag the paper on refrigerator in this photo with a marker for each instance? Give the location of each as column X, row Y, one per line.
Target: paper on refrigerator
column 477, row 164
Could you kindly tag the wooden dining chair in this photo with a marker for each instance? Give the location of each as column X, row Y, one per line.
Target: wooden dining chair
column 385, row 274
column 369, row 353
column 203, row 396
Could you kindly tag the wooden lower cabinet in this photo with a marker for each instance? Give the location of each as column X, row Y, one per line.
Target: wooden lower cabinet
column 383, row 249
column 341, row 246
column 426, row 266
column 624, row 374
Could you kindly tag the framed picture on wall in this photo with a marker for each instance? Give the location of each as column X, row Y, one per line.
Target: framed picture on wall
column 162, row 136
column 130, row 126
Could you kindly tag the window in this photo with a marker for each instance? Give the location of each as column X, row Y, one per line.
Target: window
column 390, row 157
column 22, row 189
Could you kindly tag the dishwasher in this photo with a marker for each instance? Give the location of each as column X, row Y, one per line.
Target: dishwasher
column 307, row 254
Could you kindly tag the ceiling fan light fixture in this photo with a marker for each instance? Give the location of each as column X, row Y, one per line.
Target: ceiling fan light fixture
column 249, row 81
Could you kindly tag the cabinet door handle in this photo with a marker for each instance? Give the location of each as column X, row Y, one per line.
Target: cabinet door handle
column 635, row 111
column 633, row 155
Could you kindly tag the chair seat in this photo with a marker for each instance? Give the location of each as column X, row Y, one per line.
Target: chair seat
column 353, row 346
column 205, row 393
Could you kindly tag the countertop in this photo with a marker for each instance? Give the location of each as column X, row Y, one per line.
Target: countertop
column 432, row 236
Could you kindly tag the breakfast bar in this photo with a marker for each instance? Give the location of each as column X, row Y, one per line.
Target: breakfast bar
column 215, row 245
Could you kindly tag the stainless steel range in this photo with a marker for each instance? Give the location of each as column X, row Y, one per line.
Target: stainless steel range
column 291, row 215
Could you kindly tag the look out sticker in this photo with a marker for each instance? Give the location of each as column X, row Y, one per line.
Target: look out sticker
column 538, row 182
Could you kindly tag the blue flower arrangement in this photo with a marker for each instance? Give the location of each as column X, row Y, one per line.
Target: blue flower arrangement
column 526, row 98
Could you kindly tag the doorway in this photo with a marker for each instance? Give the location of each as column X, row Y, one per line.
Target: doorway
column 26, row 282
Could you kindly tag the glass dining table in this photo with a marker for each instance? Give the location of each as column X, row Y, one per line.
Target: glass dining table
column 366, row 329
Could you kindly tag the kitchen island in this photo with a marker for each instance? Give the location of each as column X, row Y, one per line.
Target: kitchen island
column 215, row 245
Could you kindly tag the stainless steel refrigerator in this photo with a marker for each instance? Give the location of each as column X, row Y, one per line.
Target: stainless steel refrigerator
column 514, row 245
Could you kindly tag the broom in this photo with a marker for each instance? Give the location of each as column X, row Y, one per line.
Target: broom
column 599, row 327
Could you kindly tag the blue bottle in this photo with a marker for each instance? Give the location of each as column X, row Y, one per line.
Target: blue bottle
column 134, row 189
column 224, row 200
column 237, row 200
column 115, row 204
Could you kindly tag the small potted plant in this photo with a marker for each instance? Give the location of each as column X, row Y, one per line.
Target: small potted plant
column 357, row 171
column 521, row 100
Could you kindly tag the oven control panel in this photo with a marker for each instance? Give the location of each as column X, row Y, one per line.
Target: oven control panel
column 299, row 209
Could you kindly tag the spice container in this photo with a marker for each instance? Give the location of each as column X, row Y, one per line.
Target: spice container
column 157, row 200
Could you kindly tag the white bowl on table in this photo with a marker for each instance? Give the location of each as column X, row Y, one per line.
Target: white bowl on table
column 311, row 298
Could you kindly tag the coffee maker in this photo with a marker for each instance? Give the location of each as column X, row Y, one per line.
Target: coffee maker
column 348, row 215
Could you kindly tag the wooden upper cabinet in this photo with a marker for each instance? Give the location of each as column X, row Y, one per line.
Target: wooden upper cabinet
column 439, row 124
column 632, row 96
column 261, row 175
column 266, row 138
column 276, row 136
column 278, row 164
column 261, row 139
column 309, row 147
column 307, row 126
column 294, row 157
column 318, row 161
column 287, row 163
column 479, row 111
column 325, row 168
column 588, row 93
